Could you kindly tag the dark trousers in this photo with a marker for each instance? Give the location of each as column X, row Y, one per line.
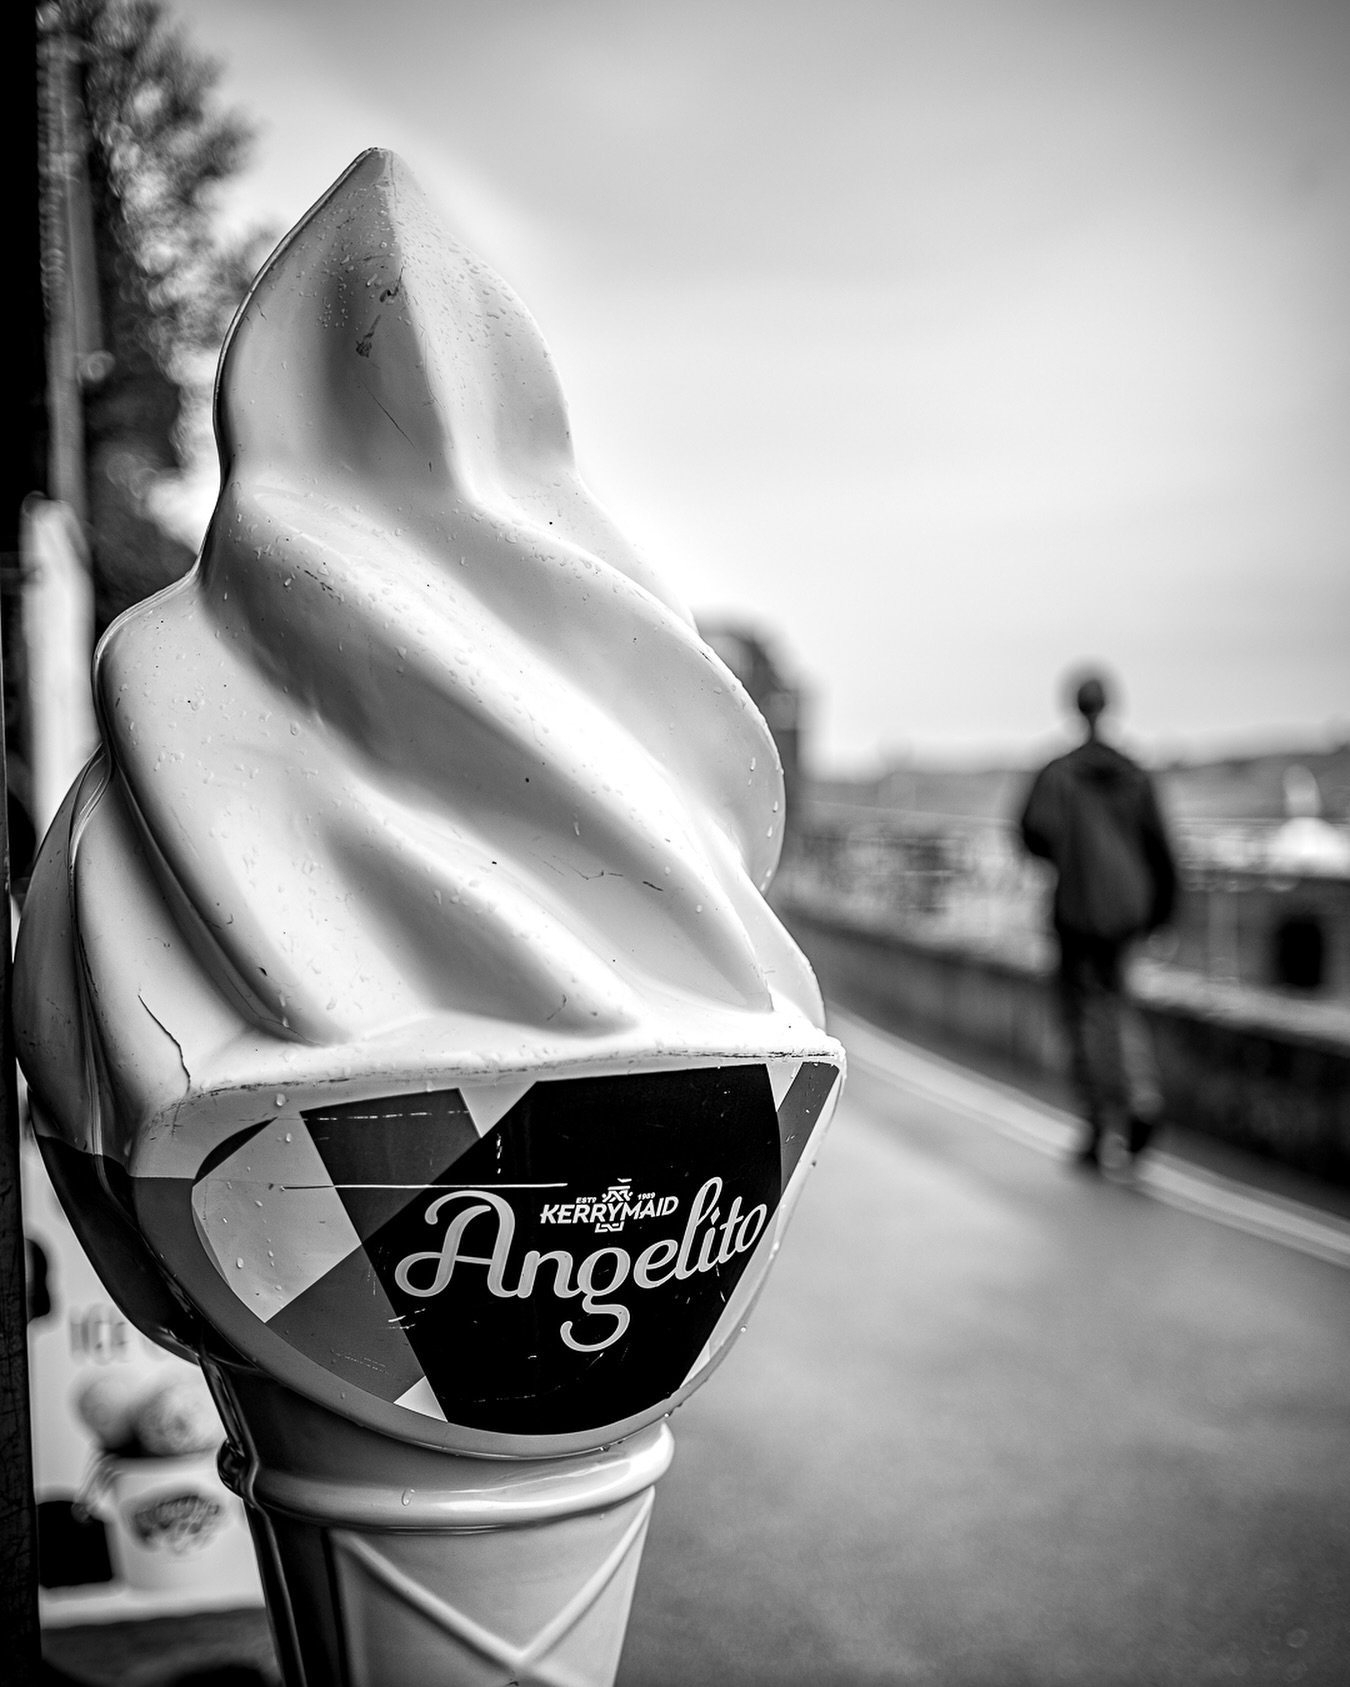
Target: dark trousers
column 1110, row 1056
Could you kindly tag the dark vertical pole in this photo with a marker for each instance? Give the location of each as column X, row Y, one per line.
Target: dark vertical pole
column 67, row 260
column 18, row 1531
column 21, row 472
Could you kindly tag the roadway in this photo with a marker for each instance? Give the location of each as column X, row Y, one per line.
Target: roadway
column 997, row 1421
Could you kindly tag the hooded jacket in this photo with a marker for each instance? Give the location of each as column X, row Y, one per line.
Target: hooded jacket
column 1093, row 814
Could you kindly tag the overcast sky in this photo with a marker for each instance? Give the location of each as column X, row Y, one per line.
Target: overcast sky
column 948, row 342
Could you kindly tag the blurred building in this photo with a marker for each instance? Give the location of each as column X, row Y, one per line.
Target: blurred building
column 1271, row 906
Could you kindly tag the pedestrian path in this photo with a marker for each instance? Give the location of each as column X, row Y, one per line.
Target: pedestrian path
column 1050, row 1131
column 994, row 1421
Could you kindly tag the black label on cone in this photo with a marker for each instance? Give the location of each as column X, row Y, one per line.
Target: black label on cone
column 566, row 1269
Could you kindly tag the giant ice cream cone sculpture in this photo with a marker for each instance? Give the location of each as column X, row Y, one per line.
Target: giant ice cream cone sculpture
column 406, row 1030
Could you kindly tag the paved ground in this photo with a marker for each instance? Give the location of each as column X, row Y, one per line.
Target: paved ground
column 996, row 1422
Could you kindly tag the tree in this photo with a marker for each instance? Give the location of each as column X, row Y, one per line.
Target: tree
column 158, row 149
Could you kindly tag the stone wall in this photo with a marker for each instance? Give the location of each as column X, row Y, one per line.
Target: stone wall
column 1251, row 1068
column 1266, row 929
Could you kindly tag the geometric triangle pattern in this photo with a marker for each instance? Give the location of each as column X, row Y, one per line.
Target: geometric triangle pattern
column 420, row 1398
column 270, row 1216
column 544, row 1260
column 800, row 1109
column 488, row 1104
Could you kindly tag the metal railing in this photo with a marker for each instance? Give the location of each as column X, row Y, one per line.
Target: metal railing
column 966, row 882
column 947, row 878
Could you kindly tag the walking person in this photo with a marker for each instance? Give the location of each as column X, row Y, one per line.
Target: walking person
column 1093, row 814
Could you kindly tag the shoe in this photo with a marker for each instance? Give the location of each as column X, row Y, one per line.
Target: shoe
column 1139, row 1134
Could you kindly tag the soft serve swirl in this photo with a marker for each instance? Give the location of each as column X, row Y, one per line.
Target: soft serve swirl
column 420, row 763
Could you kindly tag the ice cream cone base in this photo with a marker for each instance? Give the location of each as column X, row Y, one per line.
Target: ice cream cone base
column 386, row 1563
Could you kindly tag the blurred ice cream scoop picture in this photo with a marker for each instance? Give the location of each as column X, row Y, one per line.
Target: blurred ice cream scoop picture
column 178, row 1417
column 164, row 1417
